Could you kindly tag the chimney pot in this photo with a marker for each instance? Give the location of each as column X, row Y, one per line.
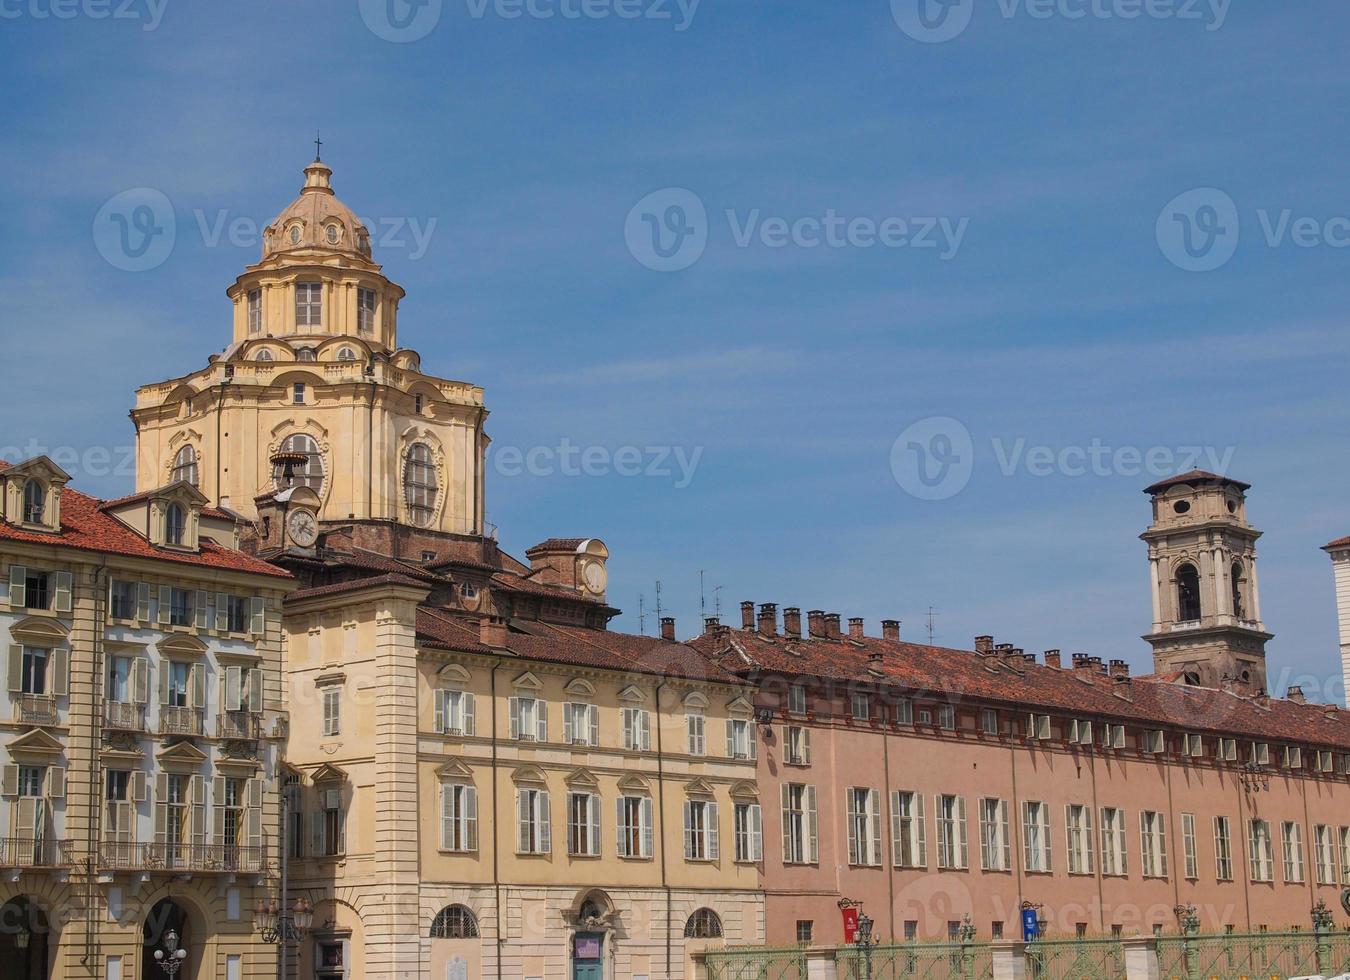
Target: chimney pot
column 1120, row 668
column 890, row 629
column 1295, row 694
column 792, row 622
column 855, row 627
column 747, row 615
column 710, row 624
column 1081, row 660
column 832, row 629
column 667, row 627
column 1052, row 658
column 768, row 618
column 815, row 622
column 984, row 644
column 875, row 657
column 492, row 632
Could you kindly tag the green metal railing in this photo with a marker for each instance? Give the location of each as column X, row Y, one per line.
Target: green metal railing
column 757, row 963
column 1264, row 955
column 1075, row 959
column 921, row 961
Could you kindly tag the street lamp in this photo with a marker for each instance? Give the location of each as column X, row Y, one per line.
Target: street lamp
column 171, row 957
column 22, row 937
column 865, row 942
column 276, row 925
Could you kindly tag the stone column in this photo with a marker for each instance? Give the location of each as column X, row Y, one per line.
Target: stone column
column 820, row 965
column 1141, row 958
column 1009, row 959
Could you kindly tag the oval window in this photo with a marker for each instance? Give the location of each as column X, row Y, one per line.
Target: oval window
column 332, row 234
column 295, row 235
column 1181, row 506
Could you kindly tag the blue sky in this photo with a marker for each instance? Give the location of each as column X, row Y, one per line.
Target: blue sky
column 522, row 143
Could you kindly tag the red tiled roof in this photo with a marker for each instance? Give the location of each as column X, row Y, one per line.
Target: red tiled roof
column 1338, row 543
column 85, row 525
column 945, row 673
column 354, row 585
column 1195, row 476
column 555, row 544
column 136, row 498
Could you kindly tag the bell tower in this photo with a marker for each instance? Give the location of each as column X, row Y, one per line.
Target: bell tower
column 1202, row 570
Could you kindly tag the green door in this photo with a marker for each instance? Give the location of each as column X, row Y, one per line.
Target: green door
column 587, row 957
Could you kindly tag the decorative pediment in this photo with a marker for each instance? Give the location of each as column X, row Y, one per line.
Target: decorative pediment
column 741, row 708
column 632, row 693
column 580, row 687
column 182, row 645
column 328, row 774
column 633, row 783
column 183, row 754
column 39, row 467
column 237, row 765
column 696, row 701
column 698, row 787
column 528, row 682
column 454, row 770
column 528, row 774
column 183, row 492
column 39, row 631
column 454, row 673
column 35, row 742
column 582, row 777
column 744, row 790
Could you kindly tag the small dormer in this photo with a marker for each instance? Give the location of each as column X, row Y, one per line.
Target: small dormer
column 169, row 517
column 33, row 494
column 575, row 563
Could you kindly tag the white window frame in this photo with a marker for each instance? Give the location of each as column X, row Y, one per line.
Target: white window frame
column 949, row 817
column 1223, row 849
column 1259, row 850
column 1190, row 867
column 1152, row 844
column 1291, row 848
column 909, row 835
column 995, row 839
column 748, row 826
column 1079, row 838
column 1037, row 849
column 1115, row 855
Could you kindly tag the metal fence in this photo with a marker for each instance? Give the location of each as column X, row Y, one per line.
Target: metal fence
column 922, row 961
column 758, row 963
column 1075, row 959
column 1274, row 955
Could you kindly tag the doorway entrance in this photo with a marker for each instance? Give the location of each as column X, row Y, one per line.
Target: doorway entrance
column 25, row 936
column 165, row 916
column 588, row 951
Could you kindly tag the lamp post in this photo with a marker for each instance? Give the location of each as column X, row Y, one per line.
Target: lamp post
column 866, row 942
column 171, row 957
column 274, row 921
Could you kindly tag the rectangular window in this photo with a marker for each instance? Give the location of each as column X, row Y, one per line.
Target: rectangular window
column 122, row 600
column 1260, row 753
column 700, row 831
column 583, row 824
column 1324, row 844
column 1038, row 726
column 529, row 720
column 860, row 706
column 308, row 304
column 946, row 717
column 1223, row 849
column 635, row 827
column 37, row 587
column 1079, row 838
column 1193, row 745
column 1343, row 839
column 30, row 781
column 1227, row 750
column 805, row 931
column 1153, row 844
column 1155, row 741
column 295, row 830
column 989, row 721
column 455, row 713
column 1036, row 836
column 179, row 674
column 863, row 808
column 909, row 844
column 581, row 724
column 1259, row 850
column 332, row 833
column 298, row 393
column 1114, row 861
column 459, row 818
column 34, row 673
column 332, row 711
column 365, row 310
column 800, row 840
column 1291, row 846
column 533, row 822
column 1113, row 736
column 236, row 614
column 797, row 745
column 255, row 311
column 740, row 738
column 950, row 814
column 995, row 850
column 1080, row 732
column 1293, row 757
column 904, row 712
column 637, row 730
column 119, row 679
column 1192, row 865
column 696, row 727
column 182, row 607
column 749, row 826
column 797, row 699
column 1324, row 761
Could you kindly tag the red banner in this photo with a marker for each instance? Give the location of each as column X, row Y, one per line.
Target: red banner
column 850, row 924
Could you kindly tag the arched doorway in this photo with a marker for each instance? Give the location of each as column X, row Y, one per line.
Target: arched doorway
column 593, row 922
column 25, row 941
column 168, row 916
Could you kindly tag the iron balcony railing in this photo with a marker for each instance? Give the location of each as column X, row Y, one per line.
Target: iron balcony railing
column 180, row 721
column 240, row 724
column 134, row 856
column 121, row 717
column 36, row 852
column 35, row 709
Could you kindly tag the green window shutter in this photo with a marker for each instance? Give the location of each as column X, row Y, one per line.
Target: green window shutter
column 257, row 616
column 15, row 671
column 165, row 603
column 64, row 584
column 60, row 668
column 18, row 586
column 143, row 602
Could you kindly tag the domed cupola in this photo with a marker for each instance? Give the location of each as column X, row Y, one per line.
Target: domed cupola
column 317, row 220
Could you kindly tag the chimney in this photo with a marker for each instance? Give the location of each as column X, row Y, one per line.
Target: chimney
column 984, row 644
column 1295, row 694
column 1120, row 668
column 792, row 622
column 815, row 622
column 1004, row 650
column 747, row 615
column 1027, row 658
column 1052, row 658
column 711, row 624
column 492, row 632
column 874, row 659
column 668, row 627
column 890, row 629
column 855, row 627
column 832, row 629
column 1081, row 661
column 768, row 618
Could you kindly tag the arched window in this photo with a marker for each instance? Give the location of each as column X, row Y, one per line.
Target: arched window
column 264, row 355
column 454, row 922
column 1188, row 593
column 311, row 473
column 34, row 502
column 175, row 524
column 703, row 924
column 185, row 466
column 346, row 354
column 419, row 484
column 306, row 354
column 1238, row 610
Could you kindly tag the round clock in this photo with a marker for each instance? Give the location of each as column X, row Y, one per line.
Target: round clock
column 594, row 576
column 302, row 528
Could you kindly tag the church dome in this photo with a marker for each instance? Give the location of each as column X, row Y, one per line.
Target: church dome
column 317, row 220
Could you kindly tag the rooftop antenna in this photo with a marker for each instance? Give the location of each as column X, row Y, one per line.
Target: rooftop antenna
column 642, row 615
column 932, row 614
column 702, row 604
column 717, row 602
column 659, row 610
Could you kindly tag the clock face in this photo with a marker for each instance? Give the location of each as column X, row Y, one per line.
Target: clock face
column 303, row 528
column 594, row 576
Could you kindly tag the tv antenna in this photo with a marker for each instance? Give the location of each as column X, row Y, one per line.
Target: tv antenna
column 932, row 615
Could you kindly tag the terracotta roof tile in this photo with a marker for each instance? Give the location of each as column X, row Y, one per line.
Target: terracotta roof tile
column 1195, row 476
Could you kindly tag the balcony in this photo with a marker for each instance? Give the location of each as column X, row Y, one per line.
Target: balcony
column 35, row 709
column 224, row 858
column 36, row 852
column 180, row 721
column 240, row 724
column 120, row 717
